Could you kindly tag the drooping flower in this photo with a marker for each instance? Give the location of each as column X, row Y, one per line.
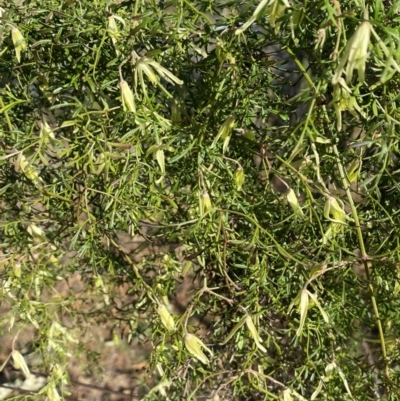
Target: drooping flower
column 355, row 54
column 195, row 346
column 128, row 101
column 166, row 318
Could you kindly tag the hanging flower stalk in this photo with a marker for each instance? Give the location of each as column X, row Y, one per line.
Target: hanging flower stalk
column 273, row 9
column 252, row 330
column 146, row 66
column 113, row 31
column 355, row 54
column 25, row 166
column 239, row 177
column 333, row 211
column 195, row 347
column 294, row 202
column 166, row 318
column 19, row 42
column 306, row 300
column 205, row 203
column 225, row 133
column 46, row 134
column 343, row 100
column 254, row 333
column 127, row 96
column 128, row 101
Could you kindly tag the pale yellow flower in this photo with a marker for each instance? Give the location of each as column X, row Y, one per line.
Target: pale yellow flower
column 128, row 101
column 205, row 202
column 195, row 346
column 254, row 333
column 239, row 177
column 166, row 318
column 294, row 202
column 19, row 42
column 355, row 54
column 225, row 131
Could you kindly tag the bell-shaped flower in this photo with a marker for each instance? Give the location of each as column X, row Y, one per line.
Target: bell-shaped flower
column 195, row 347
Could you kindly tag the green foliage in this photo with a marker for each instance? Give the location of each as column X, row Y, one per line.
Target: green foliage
column 279, row 180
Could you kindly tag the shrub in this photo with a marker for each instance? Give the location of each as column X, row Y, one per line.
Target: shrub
column 260, row 140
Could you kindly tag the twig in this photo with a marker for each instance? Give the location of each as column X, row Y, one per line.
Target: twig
column 91, row 386
column 148, row 289
column 227, row 278
column 229, row 301
column 32, row 393
column 364, row 258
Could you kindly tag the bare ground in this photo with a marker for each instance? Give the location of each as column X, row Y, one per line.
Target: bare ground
column 121, row 371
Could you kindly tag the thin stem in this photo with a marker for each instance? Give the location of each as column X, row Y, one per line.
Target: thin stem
column 364, row 258
column 10, row 127
column 302, row 69
column 147, row 288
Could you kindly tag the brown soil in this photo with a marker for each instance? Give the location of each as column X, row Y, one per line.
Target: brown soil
column 121, row 371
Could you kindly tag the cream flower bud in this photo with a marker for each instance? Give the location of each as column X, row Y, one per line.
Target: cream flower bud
column 226, row 144
column 28, row 170
column 355, row 54
column 334, row 212
column 254, row 333
column 239, row 177
column 19, row 363
column 166, row 319
column 205, row 203
column 225, row 131
column 160, row 157
column 52, row 393
column 320, row 40
column 359, row 52
column 343, row 99
column 46, row 133
column 293, row 202
column 112, row 29
column 329, row 370
column 303, row 309
column 274, row 9
column 17, row 269
column 176, row 117
column 287, row 395
column 220, row 52
column 128, row 101
column 334, row 209
column 36, row 232
column 19, row 42
column 195, row 347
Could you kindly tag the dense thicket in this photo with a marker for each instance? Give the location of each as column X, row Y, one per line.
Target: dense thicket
column 260, row 138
